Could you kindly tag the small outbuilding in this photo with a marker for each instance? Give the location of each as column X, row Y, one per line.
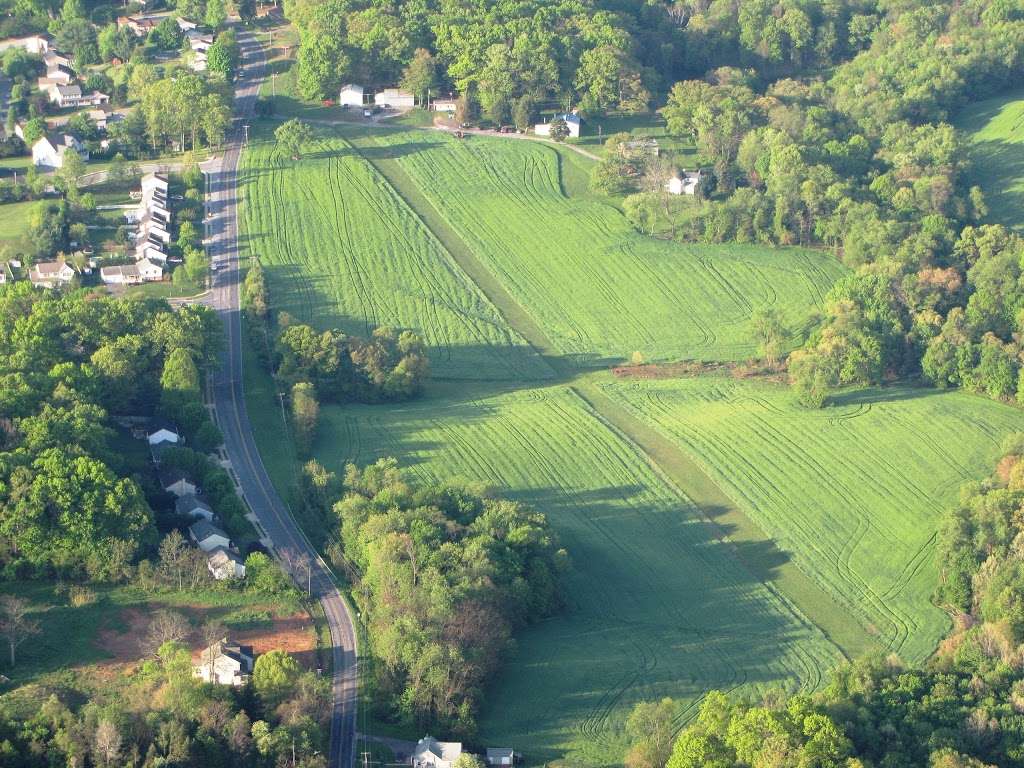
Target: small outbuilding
column 500, row 756
column 353, row 95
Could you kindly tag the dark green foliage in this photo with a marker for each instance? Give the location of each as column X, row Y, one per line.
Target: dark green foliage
column 446, row 573
column 385, row 367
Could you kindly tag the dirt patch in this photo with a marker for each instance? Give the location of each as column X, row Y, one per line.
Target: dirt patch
column 294, row 633
column 693, row 368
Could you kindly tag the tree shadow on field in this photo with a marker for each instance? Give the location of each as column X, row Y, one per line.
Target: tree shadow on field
column 999, row 166
column 393, row 151
column 880, row 395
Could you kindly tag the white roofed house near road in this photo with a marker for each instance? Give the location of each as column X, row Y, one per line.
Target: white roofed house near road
column 224, row 563
column 572, row 120
column 431, row 753
column 225, row 663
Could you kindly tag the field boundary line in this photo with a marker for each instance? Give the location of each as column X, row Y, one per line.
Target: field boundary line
column 511, row 310
column 686, row 478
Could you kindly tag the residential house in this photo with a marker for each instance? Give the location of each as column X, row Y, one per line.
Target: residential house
column 122, row 274
column 207, row 536
column 48, row 274
column 394, row 98
column 50, row 150
column 192, row 506
column 143, row 271
column 58, row 75
column 105, row 117
column 501, row 756
column 225, row 564
column 200, row 43
column 139, row 25
column 684, row 183
column 34, row 44
column 572, row 120
column 225, row 663
column 163, row 432
column 431, row 753
column 174, row 480
column 54, row 58
column 450, row 104
column 6, row 273
column 185, row 25
column 353, row 95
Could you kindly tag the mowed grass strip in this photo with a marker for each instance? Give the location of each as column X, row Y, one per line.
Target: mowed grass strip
column 343, row 250
column 597, row 288
column 657, row 604
column 995, row 128
column 853, row 492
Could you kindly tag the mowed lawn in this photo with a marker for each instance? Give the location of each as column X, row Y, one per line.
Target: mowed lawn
column 995, row 128
column 597, row 288
column 343, row 250
column 656, row 605
column 855, row 492
column 14, row 223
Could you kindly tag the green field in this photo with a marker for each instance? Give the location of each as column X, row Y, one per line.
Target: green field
column 996, row 131
column 595, row 286
column 658, row 605
column 14, row 223
column 816, row 527
column 343, row 250
column 854, row 491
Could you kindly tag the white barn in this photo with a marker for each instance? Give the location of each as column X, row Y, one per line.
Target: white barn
column 572, row 120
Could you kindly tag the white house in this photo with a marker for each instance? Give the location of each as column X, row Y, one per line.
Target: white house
column 185, row 25
column 225, row 564
column 207, row 536
column 501, row 756
column 163, row 433
column 225, row 663
column 47, row 274
column 572, row 120
column 49, row 151
column 175, row 481
column 450, row 104
column 353, row 95
column 193, row 506
column 123, row 274
column 395, row 98
column 56, row 59
column 35, row 44
column 684, row 183
column 431, row 753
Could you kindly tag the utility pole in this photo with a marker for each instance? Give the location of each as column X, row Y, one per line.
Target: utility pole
column 245, row 126
column 366, row 759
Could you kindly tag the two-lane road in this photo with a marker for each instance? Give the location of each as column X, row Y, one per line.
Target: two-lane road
column 273, row 515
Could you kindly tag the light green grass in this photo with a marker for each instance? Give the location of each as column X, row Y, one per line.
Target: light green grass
column 14, row 222
column 996, row 132
column 342, row 249
column 854, row 491
column 598, row 289
column 657, row 606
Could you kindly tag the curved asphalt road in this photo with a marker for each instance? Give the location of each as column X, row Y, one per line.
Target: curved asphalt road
column 273, row 515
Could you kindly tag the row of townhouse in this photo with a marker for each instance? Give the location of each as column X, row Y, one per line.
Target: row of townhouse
column 153, row 216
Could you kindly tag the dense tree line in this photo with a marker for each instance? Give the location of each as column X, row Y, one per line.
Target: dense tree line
column 444, row 573
column 865, row 163
column 69, row 365
column 162, row 715
column 960, row 709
